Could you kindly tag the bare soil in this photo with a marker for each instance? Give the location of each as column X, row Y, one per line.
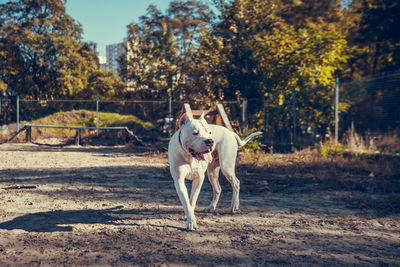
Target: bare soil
column 117, row 206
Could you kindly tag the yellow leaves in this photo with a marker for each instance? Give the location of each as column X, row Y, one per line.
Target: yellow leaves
column 285, row 41
column 281, row 99
column 3, row 86
column 233, row 28
column 301, row 59
column 307, row 55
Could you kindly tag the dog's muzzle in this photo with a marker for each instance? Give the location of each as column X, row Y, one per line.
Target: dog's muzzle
column 204, row 155
column 209, row 142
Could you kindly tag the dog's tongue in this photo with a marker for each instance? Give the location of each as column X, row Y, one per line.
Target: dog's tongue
column 208, row 157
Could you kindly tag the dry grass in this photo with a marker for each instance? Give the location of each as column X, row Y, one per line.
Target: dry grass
column 372, row 172
column 365, row 180
column 388, row 142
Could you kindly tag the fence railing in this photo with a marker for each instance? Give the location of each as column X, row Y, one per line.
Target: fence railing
column 163, row 113
column 374, row 107
column 158, row 112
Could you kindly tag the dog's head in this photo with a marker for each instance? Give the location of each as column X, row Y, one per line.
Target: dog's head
column 196, row 137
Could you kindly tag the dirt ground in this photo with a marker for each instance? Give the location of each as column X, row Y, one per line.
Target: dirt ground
column 117, row 206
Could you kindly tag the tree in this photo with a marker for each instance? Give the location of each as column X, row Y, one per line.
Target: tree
column 207, row 77
column 240, row 21
column 303, row 59
column 42, row 53
column 162, row 47
column 378, row 44
column 274, row 46
column 149, row 63
column 329, row 14
column 372, row 69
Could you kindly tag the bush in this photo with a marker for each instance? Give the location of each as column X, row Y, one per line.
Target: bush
column 255, row 144
column 331, row 149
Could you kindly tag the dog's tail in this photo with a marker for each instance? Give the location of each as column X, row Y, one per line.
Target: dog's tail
column 247, row 139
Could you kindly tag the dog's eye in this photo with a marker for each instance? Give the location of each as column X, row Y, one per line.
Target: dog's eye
column 196, row 133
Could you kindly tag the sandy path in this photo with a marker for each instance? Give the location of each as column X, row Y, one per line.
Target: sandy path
column 115, row 206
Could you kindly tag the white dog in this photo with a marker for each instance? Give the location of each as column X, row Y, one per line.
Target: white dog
column 197, row 147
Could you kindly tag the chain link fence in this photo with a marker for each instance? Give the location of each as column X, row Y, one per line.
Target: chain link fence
column 374, row 108
column 375, row 103
column 160, row 113
column 242, row 114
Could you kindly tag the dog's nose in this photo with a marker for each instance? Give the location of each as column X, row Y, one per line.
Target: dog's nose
column 209, row 142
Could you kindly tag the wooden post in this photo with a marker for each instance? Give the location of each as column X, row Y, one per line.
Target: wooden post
column 294, row 115
column 244, row 113
column 17, row 113
column 123, row 134
column 28, row 138
column 77, row 136
column 265, row 117
column 217, row 116
column 97, row 115
column 337, row 111
column 224, row 117
column 188, row 110
column 170, row 122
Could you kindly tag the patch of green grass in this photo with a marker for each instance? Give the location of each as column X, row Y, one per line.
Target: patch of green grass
column 87, row 118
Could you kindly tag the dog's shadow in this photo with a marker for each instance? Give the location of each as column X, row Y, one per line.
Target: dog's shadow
column 61, row 220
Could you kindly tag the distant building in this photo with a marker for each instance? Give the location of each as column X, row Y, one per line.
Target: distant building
column 113, row 54
column 103, row 62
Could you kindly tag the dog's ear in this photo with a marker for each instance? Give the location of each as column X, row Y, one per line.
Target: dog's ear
column 185, row 118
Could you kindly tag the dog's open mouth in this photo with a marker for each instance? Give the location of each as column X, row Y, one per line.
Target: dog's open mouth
column 206, row 155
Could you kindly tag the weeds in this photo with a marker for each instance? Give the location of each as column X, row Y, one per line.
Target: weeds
column 372, row 142
column 331, row 149
column 360, row 172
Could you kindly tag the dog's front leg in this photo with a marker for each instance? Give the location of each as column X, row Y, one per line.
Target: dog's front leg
column 184, row 198
column 179, row 182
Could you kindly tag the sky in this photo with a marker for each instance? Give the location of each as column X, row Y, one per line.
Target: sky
column 104, row 21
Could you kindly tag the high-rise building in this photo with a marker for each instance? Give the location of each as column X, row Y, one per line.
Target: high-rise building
column 113, row 54
column 102, row 62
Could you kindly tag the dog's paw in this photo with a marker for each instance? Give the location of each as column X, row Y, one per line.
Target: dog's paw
column 235, row 208
column 210, row 209
column 191, row 225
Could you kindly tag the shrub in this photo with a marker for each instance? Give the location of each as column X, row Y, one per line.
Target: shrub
column 255, row 144
column 331, row 149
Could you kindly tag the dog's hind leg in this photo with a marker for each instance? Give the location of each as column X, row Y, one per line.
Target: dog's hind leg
column 227, row 160
column 197, row 183
column 213, row 173
column 235, row 183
